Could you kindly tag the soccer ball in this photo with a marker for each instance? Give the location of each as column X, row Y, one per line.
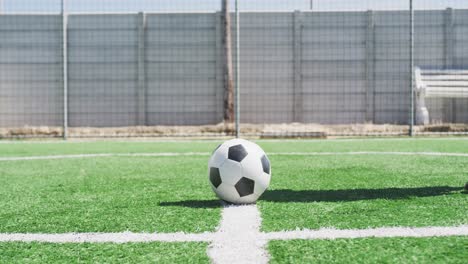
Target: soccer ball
column 239, row 171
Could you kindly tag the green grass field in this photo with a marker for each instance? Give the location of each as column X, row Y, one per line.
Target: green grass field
column 105, row 195
column 172, row 194
column 366, row 191
column 103, row 253
column 372, row 250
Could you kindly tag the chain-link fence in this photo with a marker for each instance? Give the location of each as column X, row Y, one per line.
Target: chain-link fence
column 280, row 68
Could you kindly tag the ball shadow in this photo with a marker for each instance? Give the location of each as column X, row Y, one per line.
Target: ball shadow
column 306, row 196
column 194, row 203
column 309, row 196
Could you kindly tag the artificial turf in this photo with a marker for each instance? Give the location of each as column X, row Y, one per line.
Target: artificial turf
column 371, row 250
column 106, row 195
column 365, row 191
column 103, row 253
column 169, row 194
column 21, row 148
column 27, row 148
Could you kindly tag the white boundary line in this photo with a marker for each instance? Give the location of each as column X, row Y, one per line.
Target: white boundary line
column 125, row 237
column 362, row 233
column 104, row 155
column 256, row 239
column 354, row 153
column 238, row 238
column 175, row 154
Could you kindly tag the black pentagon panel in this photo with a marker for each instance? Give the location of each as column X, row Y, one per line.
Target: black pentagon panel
column 215, row 178
column 237, row 153
column 266, row 164
column 245, row 187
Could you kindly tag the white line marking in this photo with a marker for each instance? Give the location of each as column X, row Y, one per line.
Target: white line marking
column 104, row 155
column 366, row 139
column 126, row 237
column 238, row 239
column 178, row 154
column 368, row 153
column 254, row 236
column 376, row 232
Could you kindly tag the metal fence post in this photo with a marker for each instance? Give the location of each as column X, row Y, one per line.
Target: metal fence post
column 65, row 69
column 237, row 88
column 229, row 89
column 297, row 82
column 370, row 65
column 141, row 90
column 448, row 38
column 449, row 43
column 411, row 67
column 219, row 92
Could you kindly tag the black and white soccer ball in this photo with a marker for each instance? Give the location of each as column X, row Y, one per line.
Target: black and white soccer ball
column 239, row 171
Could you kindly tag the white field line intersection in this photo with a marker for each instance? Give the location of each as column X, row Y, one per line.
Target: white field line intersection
column 238, row 236
column 181, row 154
column 321, row 234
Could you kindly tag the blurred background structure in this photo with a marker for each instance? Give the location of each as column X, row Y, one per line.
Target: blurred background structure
column 84, row 68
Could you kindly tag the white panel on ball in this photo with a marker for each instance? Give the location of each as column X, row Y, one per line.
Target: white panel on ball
column 220, row 157
column 231, row 172
column 252, row 166
column 227, row 193
column 262, row 184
